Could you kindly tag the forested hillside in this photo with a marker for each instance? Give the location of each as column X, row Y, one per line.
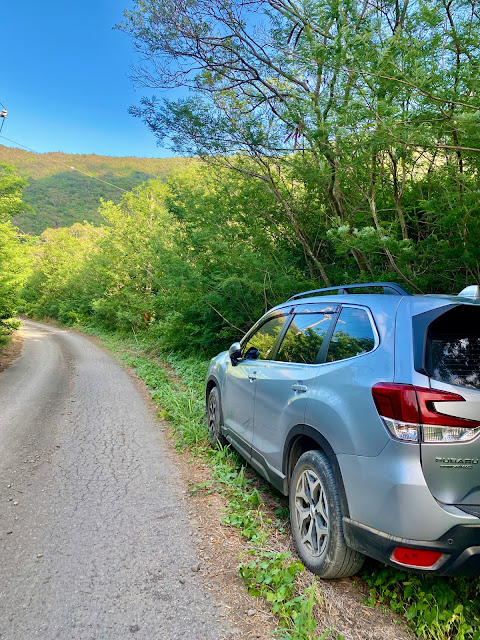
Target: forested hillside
column 61, row 196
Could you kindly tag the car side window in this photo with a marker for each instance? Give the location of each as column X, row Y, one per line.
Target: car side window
column 353, row 335
column 265, row 337
column 304, row 337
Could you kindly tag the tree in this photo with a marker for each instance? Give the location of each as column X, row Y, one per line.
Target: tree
column 13, row 252
column 58, row 287
column 365, row 100
column 11, row 187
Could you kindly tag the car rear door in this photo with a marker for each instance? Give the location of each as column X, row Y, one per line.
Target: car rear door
column 283, row 384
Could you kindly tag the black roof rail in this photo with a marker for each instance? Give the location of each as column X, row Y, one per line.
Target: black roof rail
column 388, row 288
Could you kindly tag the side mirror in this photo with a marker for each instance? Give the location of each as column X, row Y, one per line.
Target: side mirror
column 235, row 353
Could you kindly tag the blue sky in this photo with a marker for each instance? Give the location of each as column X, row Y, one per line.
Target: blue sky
column 64, row 79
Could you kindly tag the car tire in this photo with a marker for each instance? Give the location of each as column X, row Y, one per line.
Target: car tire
column 214, row 419
column 316, row 519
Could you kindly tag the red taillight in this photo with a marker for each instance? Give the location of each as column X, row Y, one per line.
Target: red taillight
column 421, row 558
column 408, row 403
column 396, row 401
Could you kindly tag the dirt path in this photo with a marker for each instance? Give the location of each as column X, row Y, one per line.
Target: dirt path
column 95, row 539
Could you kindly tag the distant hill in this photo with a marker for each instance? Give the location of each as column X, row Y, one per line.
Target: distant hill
column 61, row 196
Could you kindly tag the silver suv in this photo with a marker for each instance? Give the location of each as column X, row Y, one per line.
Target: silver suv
column 364, row 408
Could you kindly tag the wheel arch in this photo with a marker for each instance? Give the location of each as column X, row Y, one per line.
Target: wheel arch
column 211, row 382
column 303, row 438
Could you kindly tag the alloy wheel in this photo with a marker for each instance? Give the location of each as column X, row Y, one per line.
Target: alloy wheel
column 311, row 513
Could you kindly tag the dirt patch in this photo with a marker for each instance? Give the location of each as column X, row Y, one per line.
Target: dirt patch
column 11, row 351
column 219, row 548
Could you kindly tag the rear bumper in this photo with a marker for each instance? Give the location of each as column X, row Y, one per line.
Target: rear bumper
column 460, row 547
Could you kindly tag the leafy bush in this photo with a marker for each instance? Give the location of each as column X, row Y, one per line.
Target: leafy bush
column 437, row 608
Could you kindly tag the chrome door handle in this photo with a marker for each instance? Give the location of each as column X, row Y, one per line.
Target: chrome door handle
column 299, row 387
column 253, row 376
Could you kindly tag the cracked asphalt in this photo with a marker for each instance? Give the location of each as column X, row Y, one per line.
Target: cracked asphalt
column 95, row 536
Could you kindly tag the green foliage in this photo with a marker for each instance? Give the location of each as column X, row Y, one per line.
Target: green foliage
column 359, row 126
column 196, row 260
column 14, row 250
column 11, row 188
column 437, row 608
column 272, row 576
column 11, row 268
column 62, row 282
column 181, row 406
column 182, row 260
column 243, row 500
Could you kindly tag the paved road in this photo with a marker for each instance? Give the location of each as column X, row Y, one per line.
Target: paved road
column 95, row 542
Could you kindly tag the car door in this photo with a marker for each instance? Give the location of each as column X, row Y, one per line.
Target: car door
column 283, row 384
column 238, row 394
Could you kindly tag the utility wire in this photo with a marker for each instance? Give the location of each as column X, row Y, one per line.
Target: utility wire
column 63, row 164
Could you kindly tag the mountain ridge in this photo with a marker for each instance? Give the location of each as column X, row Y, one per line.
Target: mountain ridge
column 61, row 189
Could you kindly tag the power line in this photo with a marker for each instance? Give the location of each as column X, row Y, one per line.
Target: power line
column 63, row 164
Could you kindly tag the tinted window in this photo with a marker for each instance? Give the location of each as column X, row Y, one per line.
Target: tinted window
column 453, row 347
column 353, row 335
column 265, row 337
column 304, row 338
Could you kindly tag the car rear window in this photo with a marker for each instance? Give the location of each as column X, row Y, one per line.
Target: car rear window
column 353, row 335
column 453, row 347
